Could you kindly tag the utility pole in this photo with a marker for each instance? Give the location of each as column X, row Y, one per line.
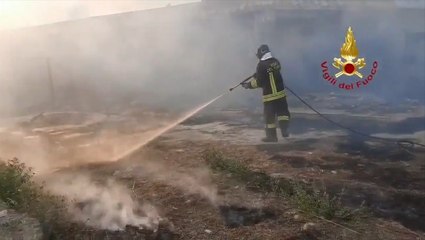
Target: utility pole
column 51, row 85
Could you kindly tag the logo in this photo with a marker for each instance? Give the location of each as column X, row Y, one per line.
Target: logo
column 349, row 66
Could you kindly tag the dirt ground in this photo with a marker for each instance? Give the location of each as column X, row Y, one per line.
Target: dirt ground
column 171, row 174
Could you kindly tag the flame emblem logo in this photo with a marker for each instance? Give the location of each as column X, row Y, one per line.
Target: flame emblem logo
column 349, row 52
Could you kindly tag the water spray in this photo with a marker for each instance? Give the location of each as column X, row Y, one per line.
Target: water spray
column 172, row 125
column 177, row 122
column 166, row 128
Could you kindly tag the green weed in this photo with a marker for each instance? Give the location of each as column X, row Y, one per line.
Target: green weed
column 20, row 192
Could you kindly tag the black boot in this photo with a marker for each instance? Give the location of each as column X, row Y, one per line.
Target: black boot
column 284, row 125
column 271, row 135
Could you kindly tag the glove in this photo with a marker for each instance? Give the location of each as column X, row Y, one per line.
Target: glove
column 246, row 85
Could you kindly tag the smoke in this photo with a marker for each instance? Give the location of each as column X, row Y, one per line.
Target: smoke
column 91, row 199
column 175, row 57
column 137, row 57
column 31, row 150
column 193, row 52
column 105, row 205
column 66, row 139
column 47, row 12
column 189, row 180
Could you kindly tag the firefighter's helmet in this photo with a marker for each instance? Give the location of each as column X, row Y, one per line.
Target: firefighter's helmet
column 263, row 49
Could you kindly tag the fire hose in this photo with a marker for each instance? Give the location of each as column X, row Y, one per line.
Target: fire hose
column 403, row 143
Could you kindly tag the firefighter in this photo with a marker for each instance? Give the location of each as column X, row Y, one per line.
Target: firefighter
column 268, row 78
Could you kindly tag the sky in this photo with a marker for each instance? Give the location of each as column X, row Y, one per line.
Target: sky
column 26, row 13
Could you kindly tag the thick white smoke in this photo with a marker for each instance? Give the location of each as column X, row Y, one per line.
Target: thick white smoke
column 106, row 205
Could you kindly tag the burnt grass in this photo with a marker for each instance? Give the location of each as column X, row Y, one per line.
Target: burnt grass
column 73, row 231
column 382, row 152
column 377, row 185
column 236, row 216
column 402, row 198
column 303, row 196
column 299, row 122
column 388, row 179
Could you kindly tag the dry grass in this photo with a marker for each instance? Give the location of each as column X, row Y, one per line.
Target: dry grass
column 302, row 196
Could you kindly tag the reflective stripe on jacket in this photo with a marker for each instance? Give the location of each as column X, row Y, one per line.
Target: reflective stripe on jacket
column 268, row 78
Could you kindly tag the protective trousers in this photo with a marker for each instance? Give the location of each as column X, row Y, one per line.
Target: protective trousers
column 276, row 109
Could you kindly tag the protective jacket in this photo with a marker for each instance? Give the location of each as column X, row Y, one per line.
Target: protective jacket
column 268, row 77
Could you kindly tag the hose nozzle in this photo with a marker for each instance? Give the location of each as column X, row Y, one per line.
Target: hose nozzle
column 231, row 89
